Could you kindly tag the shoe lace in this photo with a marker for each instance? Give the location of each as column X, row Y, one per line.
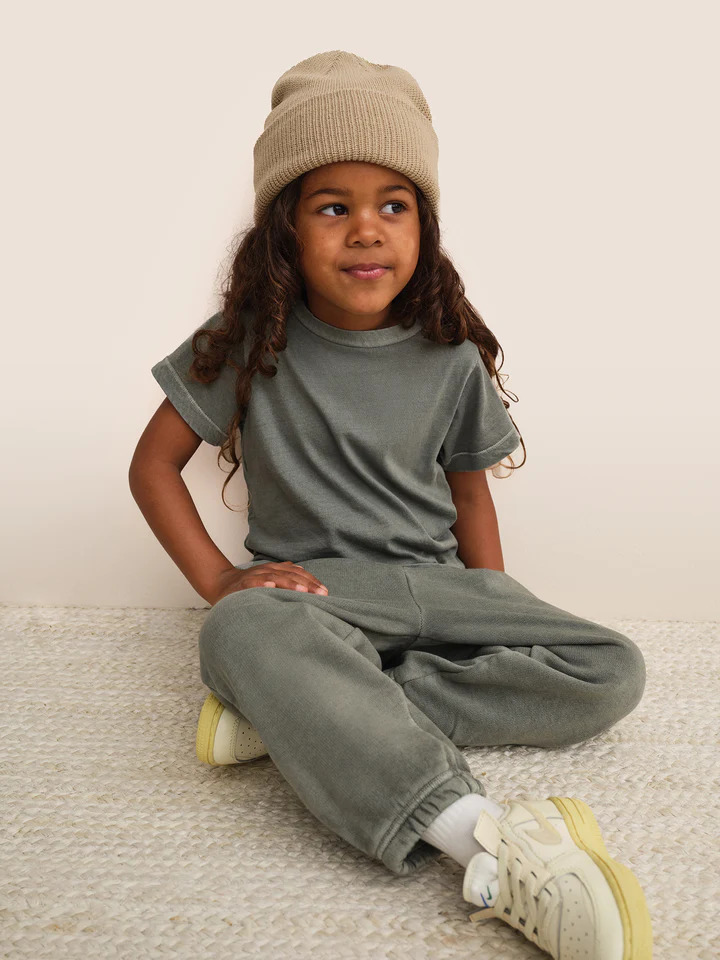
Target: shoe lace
column 525, row 900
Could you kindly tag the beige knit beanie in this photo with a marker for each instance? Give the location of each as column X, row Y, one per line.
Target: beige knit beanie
column 337, row 106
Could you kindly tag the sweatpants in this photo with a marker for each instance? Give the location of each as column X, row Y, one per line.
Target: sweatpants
column 363, row 697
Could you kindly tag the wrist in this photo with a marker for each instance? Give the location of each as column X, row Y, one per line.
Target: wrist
column 212, row 580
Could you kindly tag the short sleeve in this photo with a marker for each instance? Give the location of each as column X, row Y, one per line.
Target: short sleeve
column 207, row 408
column 481, row 433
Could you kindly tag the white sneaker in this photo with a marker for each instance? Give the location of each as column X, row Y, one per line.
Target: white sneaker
column 555, row 882
column 224, row 736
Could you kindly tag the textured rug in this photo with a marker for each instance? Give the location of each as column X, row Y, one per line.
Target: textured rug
column 118, row 843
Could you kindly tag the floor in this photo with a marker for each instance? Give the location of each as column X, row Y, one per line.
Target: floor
column 119, row 843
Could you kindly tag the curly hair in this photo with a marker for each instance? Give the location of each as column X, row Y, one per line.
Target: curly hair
column 264, row 279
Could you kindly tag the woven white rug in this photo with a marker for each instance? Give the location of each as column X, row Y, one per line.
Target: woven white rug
column 118, row 843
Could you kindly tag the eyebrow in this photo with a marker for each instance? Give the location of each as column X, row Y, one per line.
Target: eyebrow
column 340, row 192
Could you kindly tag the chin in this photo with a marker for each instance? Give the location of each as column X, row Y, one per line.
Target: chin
column 371, row 300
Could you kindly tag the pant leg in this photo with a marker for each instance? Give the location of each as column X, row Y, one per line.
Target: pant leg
column 494, row 664
column 306, row 671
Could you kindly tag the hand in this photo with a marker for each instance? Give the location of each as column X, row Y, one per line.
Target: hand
column 287, row 575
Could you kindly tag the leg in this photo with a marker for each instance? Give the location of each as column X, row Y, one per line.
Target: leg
column 495, row 665
column 306, row 671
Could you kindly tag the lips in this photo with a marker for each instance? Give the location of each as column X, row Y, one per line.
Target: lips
column 365, row 266
column 363, row 272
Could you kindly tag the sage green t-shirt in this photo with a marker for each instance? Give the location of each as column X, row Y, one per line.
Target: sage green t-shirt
column 344, row 450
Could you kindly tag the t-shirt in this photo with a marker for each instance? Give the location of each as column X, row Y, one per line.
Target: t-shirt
column 344, row 450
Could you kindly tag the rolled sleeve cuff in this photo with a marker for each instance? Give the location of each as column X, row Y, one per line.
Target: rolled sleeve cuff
column 481, row 460
column 187, row 407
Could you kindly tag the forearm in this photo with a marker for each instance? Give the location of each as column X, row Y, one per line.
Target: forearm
column 476, row 531
column 164, row 500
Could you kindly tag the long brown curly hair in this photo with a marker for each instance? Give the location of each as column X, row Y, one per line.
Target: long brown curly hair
column 264, row 281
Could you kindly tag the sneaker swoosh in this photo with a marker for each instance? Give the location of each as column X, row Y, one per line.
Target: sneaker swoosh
column 546, row 833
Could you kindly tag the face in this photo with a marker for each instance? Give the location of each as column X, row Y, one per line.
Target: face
column 351, row 213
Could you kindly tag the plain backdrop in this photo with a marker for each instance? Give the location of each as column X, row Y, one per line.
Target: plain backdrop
column 579, row 202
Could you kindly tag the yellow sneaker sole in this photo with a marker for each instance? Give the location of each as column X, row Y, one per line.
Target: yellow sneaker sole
column 629, row 896
column 207, row 725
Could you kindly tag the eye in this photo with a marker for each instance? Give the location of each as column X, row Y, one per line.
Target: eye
column 396, row 203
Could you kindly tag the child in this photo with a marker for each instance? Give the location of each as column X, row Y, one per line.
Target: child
column 386, row 633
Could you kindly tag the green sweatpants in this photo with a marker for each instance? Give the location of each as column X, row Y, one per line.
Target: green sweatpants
column 363, row 697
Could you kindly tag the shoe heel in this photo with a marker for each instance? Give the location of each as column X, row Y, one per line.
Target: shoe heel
column 629, row 896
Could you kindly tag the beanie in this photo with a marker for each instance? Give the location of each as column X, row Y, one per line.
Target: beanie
column 336, row 106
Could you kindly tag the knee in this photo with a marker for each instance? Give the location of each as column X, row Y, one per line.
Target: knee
column 621, row 685
column 612, row 686
column 226, row 621
column 630, row 676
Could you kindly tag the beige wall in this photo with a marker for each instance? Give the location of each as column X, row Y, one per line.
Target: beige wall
column 579, row 201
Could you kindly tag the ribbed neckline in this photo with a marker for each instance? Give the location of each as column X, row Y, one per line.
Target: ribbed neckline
column 353, row 338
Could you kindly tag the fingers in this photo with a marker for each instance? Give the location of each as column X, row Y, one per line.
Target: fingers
column 295, row 585
column 291, row 576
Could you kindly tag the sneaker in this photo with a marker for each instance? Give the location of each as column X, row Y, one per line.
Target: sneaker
column 224, row 736
column 552, row 879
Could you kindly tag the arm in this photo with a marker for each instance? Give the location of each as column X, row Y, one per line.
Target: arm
column 164, row 448
column 476, row 527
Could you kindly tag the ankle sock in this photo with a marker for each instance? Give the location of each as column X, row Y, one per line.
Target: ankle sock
column 452, row 830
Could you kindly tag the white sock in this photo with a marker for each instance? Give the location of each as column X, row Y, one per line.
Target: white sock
column 452, row 830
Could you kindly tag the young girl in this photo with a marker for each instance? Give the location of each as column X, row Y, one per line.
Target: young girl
column 375, row 630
